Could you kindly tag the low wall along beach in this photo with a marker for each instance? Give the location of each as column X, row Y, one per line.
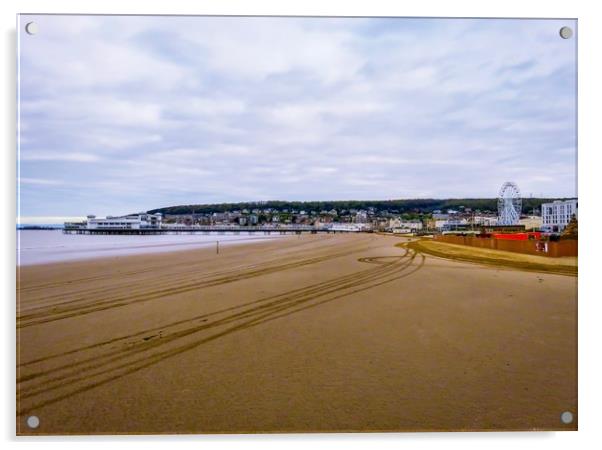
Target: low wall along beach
column 531, row 247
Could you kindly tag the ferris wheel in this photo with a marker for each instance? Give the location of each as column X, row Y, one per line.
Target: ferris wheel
column 509, row 204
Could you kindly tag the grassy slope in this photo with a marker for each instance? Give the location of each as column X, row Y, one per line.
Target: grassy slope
column 563, row 266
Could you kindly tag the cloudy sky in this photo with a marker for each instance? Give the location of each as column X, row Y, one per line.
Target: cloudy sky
column 121, row 114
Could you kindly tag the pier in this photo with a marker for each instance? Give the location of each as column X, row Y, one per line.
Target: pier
column 200, row 229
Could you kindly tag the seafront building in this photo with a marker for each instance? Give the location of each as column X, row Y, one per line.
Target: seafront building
column 350, row 227
column 452, row 224
column 482, row 220
column 398, row 223
column 129, row 222
column 556, row 215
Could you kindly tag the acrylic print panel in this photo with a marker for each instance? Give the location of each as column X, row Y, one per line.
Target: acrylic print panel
column 295, row 224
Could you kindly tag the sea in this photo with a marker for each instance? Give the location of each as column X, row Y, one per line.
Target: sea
column 47, row 246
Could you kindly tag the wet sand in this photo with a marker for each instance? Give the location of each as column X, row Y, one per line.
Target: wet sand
column 317, row 333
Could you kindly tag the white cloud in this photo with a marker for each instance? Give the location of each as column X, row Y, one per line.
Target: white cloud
column 95, row 109
column 78, row 52
column 54, row 156
column 39, row 181
column 262, row 47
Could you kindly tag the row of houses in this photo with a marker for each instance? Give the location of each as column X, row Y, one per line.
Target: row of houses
column 555, row 217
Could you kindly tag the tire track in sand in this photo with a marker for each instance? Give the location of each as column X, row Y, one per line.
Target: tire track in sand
column 88, row 367
column 151, row 291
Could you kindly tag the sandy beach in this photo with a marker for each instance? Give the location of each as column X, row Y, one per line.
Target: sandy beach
column 344, row 332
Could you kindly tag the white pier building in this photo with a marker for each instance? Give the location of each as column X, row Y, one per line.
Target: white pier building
column 130, row 222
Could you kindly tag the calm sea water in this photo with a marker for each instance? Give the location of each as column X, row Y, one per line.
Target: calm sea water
column 44, row 246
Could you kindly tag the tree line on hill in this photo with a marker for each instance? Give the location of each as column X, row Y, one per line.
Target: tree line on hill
column 423, row 206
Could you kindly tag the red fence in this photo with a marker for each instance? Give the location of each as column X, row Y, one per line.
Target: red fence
column 531, row 247
column 517, row 236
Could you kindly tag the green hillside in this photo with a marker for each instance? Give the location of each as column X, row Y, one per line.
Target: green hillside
column 394, row 206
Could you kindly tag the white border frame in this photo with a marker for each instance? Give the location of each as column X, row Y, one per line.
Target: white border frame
column 590, row 309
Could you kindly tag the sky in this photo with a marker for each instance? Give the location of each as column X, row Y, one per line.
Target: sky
column 125, row 114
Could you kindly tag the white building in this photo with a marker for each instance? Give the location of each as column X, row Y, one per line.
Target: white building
column 402, row 231
column 450, row 224
column 440, row 223
column 361, row 217
column 484, row 220
column 355, row 227
column 556, row 215
column 130, row 222
column 413, row 225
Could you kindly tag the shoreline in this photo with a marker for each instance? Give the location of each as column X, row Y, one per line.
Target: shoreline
column 137, row 250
